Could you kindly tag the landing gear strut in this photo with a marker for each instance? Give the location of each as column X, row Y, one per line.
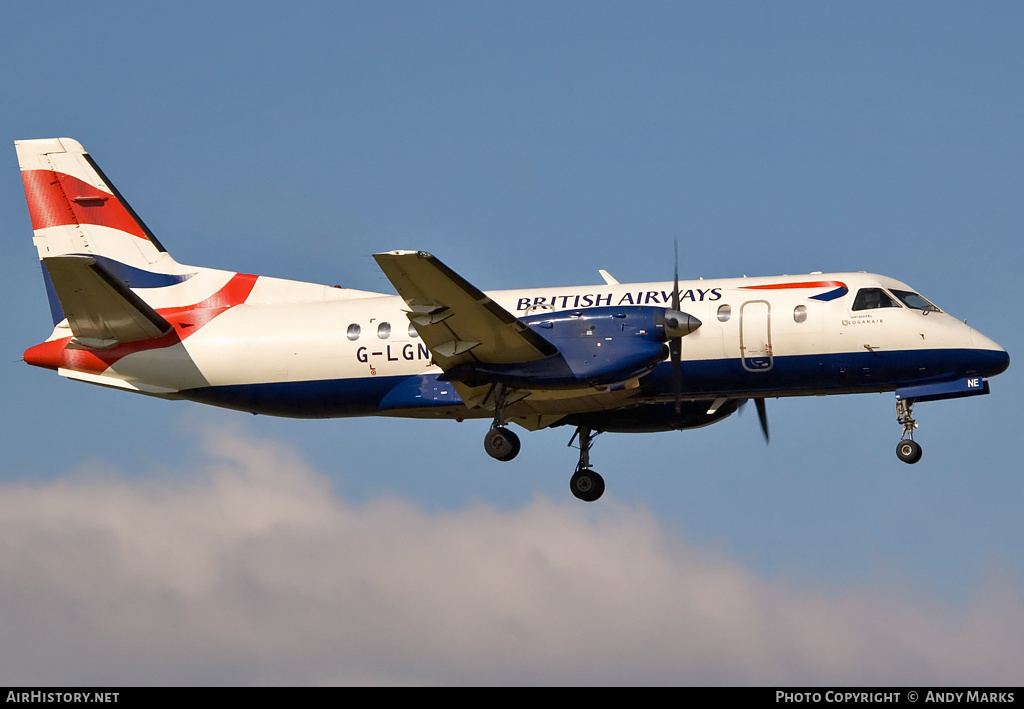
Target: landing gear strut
column 501, row 443
column 585, row 483
column 908, row 450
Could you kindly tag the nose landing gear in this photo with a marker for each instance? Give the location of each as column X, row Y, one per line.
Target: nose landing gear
column 908, row 450
column 585, row 483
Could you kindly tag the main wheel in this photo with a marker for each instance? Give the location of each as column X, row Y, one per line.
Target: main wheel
column 908, row 451
column 502, row 444
column 586, row 485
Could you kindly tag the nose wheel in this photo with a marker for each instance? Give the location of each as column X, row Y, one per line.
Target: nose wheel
column 585, row 483
column 908, row 450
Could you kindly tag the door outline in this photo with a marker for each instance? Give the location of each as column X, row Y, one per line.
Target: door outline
column 756, row 336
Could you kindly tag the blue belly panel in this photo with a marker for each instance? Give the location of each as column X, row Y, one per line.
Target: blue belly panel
column 790, row 375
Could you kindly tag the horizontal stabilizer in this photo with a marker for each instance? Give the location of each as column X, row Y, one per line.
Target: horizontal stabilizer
column 115, row 383
column 101, row 310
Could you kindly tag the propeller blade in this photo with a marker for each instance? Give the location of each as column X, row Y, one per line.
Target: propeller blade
column 675, row 280
column 762, row 417
column 675, row 345
column 675, row 348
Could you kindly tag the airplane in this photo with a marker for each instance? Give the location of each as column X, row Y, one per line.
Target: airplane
column 612, row 357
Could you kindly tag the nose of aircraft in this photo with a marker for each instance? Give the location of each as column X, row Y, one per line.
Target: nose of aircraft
column 991, row 358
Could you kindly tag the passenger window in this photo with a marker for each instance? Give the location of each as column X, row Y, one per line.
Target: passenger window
column 871, row 298
column 412, row 330
column 724, row 313
column 800, row 313
column 384, row 330
column 353, row 332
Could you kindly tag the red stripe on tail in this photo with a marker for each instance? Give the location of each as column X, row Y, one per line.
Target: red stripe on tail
column 56, row 199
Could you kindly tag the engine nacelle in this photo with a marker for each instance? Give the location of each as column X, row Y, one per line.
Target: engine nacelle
column 596, row 347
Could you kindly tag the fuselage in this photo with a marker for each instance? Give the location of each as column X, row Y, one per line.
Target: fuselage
column 336, row 352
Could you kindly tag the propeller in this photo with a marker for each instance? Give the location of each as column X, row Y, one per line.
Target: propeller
column 675, row 344
column 677, row 325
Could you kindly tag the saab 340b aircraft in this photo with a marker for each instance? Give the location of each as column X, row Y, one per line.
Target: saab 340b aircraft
column 612, row 357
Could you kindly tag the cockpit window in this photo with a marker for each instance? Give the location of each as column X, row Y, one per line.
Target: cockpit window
column 871, row 298
column 913, row 300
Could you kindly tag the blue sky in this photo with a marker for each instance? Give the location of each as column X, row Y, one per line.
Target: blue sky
column 527, row 145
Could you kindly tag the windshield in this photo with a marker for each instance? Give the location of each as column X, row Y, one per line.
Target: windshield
column 915, row 301
column 871, row 298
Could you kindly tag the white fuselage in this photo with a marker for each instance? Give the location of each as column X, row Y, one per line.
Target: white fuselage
column 758, row 335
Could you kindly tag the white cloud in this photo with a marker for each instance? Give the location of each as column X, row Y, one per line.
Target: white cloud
column 250, row 569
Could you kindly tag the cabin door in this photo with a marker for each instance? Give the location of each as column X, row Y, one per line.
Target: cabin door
column 756, row 336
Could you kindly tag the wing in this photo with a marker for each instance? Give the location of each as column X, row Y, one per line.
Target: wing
column 462, row 326
column 101, row 310
column 457, row 321
column 459, row 324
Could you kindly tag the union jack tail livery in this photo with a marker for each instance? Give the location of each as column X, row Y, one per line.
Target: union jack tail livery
column 614, row 357
column 93, row 247
column 113, row 289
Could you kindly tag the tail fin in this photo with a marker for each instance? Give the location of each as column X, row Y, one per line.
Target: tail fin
column 91, row 243
column 76, row 211
column 75, row 208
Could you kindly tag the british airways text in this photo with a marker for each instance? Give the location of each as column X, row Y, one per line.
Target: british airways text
column 588, row 300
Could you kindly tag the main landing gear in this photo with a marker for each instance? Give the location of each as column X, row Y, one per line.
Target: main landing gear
column 501, row 443
column 585, row 483
column 908, row 450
